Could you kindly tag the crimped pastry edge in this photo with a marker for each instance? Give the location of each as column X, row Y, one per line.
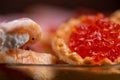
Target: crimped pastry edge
column 59, row 45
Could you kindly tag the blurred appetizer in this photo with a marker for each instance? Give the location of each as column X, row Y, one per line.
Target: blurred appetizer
column 15, row 39
column 89, row 39
column 19, row 33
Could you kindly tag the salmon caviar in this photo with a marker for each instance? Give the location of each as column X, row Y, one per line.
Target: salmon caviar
column 96, row 37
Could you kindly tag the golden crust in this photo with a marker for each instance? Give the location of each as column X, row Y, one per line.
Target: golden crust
column 26, row 57
column 30, row 57
column 115, row 16
column 59, row 44
column 62, row 50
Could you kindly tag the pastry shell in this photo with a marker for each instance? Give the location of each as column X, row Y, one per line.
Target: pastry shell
column 62, row 50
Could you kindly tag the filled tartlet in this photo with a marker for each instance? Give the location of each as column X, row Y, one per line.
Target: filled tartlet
column 91, row 39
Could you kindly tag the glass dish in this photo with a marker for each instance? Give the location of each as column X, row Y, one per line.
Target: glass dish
column 58, row 72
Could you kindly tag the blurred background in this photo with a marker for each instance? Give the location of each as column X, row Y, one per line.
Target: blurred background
column 10, row 6
column 49, row 14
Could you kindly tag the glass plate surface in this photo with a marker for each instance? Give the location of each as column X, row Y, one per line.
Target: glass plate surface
column 59, row 72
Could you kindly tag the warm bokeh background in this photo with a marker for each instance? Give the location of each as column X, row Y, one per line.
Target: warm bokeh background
column 8, row 6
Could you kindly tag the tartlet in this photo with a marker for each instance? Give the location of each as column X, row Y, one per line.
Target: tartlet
column 69, row 50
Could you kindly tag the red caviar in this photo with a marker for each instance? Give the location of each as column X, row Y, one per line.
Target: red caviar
column 96, row 37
